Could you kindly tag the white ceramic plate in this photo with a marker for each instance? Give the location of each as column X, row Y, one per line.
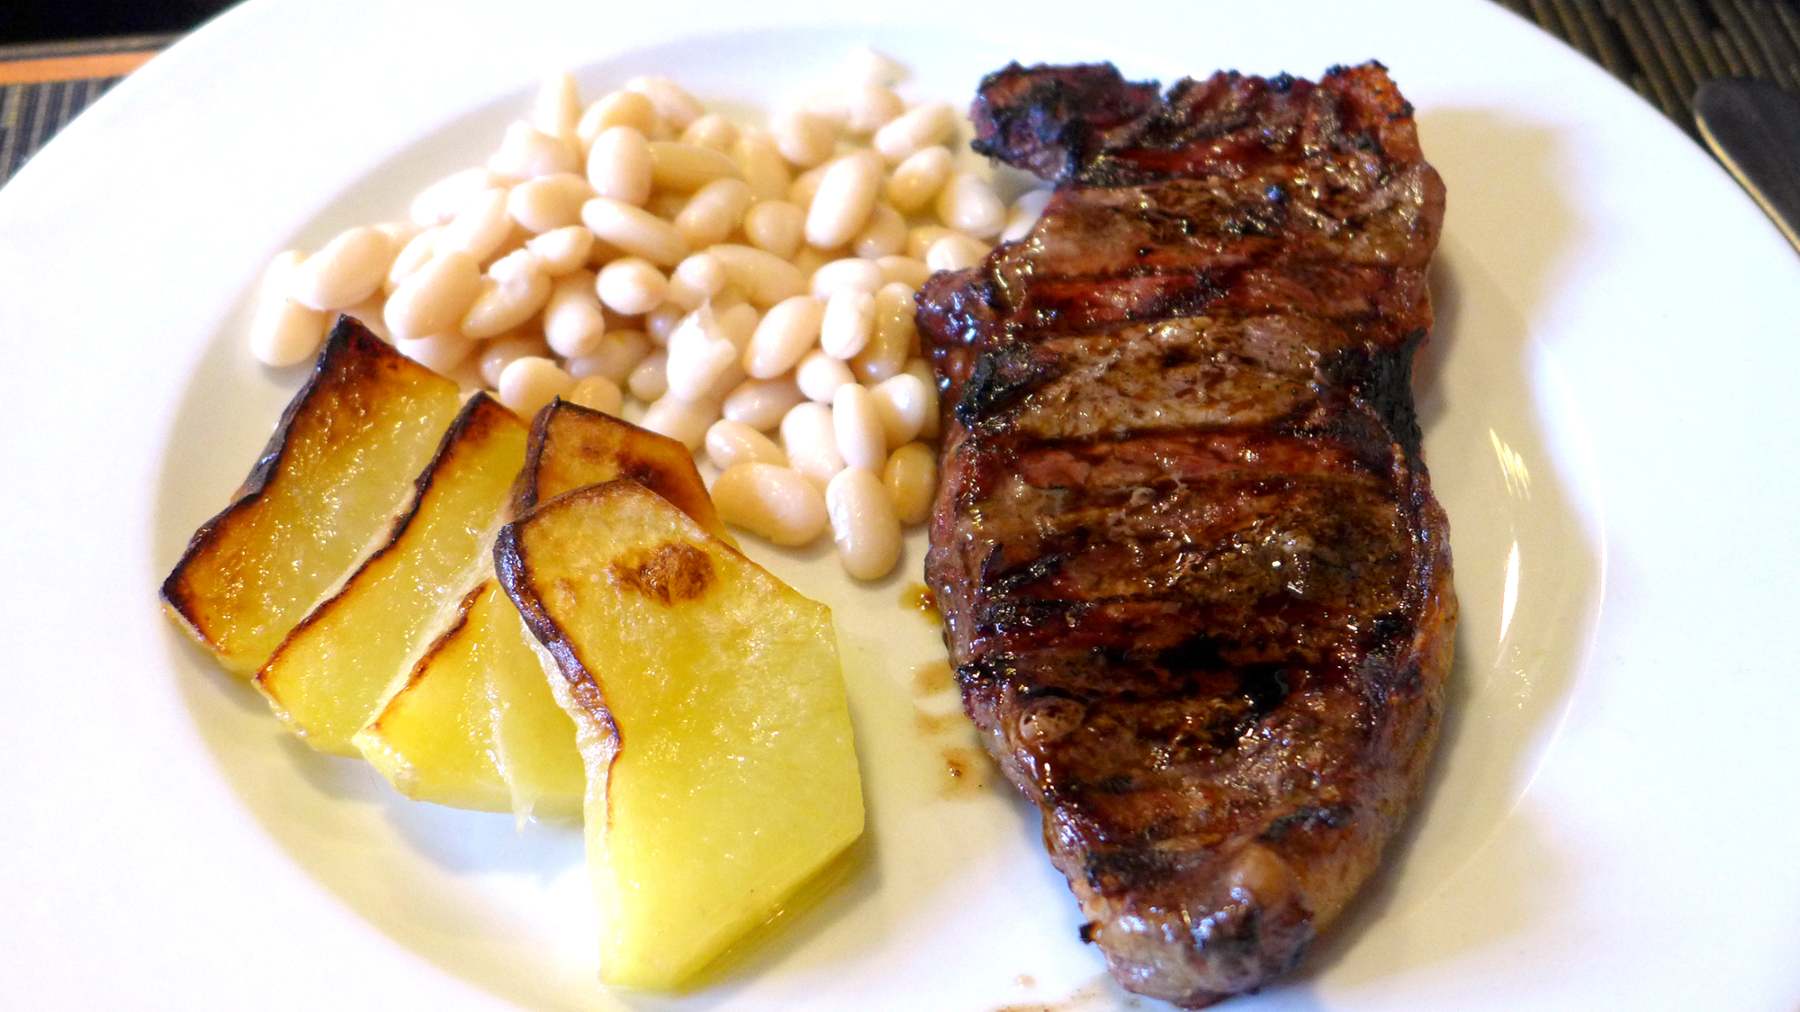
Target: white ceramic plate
column 1609, row 415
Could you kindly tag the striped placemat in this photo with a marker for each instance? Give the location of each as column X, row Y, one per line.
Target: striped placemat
column 44, row 86
column 1662, row 48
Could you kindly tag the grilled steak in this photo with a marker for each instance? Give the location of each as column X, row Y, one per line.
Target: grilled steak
column 1194, row 582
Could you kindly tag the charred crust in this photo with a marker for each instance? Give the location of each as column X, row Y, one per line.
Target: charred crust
column 351, row 353
column 999, row 379
column 511, row 569
column 1381, row 377
column 525, row 487
column 669, row 574
column 1309, row 818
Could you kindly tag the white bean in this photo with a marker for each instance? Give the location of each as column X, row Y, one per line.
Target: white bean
column 696, row 279
column 893, row 337
column 856, row 422
column 441, row 353
column 919, row 240
column 803, row 137
column 660, row 322
column 775, row 503
column 867, row 66
column 401, row 232
column 699, row 355
column 762, row 403
column 527, row 152
column 714, row 212
column 556, row 108
column 562, row 250
column 548, row 202
column 919, row 127
column 969, row 204
column 666, row 204
column 809, row 260
column 844, row 200
column 434, row 298
column 614, row 355
column 649, row 379
column 598, row 393
column 810, row 442
column 920, row 369
column 729, row 442
column 631, row 286
column 819, row 376
column 634, row 230
column 737, row 321
column 344, row 271
column 711, row 131
column 439, row 202
column 786, row 332
column 685, row 422
column 863, row 524
column 761, row 276
column 906, row 270
column 530, row 382
column 672, row 101
column 805, row 187
column 618, row 165
column 918, row 178
column 687, row 167
column 480, row 227
column 869, row 107
column 501, row 352
column 776, row 226
column 762, row 165
column 848, row 322
column 850, row 274
column 514, row 289
column 621, row 108
column 884, row 235
column 1025, row 213
column 911, row 480
column 417, row 252
column 573, row 323
column 955, row 253
column 282, row 331
column 902, row 403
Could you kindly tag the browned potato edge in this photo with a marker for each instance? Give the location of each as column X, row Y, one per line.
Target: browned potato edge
column 480, row 412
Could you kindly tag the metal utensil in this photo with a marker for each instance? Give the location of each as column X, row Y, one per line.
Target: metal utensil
column 1754, row 128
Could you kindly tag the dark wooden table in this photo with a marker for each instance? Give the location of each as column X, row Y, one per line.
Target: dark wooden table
column 1662, row 48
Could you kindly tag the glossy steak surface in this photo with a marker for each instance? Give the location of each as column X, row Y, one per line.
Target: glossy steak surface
column 1194, row 582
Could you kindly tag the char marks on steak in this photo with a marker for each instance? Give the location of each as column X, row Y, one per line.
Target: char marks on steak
column 1194, row 582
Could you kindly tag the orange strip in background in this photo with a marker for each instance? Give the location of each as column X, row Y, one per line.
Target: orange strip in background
column 73, row 68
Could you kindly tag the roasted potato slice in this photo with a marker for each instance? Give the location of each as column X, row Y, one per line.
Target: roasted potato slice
column 505, row 738
column 573, row 446
column 331, row 479
column 475, row 726
column 711, row 714
column 334, row 671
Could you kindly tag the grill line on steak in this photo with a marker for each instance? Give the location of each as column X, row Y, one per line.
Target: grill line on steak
column 1195, row 585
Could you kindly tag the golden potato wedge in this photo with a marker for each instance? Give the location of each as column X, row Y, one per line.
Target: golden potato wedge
column 710, row 711
column 334, row 671
column 504, row 737
column 573, row 446
column 475, row 725
column 331, row 479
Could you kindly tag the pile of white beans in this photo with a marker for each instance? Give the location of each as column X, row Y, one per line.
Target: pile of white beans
column 746, row 291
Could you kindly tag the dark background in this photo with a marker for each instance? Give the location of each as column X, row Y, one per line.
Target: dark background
column 40, row 21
